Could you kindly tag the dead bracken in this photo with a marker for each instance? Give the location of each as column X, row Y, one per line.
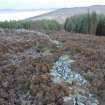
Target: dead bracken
column 25, row 68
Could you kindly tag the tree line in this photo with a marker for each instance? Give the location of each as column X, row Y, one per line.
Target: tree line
column 89, row 23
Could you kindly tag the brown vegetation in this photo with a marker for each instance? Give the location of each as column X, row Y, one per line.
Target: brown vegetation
column 24, row 70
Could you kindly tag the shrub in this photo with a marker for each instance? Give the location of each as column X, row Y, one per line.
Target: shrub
column 84, row 23
column 75, row 24
column 50, row 24
column 15, row 24
column 93, row 23
column 101, row 25
column 42, row 24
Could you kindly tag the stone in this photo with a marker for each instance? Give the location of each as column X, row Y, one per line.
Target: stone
column 5, row 84
column 3, row 93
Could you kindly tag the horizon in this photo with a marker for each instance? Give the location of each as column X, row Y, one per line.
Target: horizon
column 48, row 4
column 12, row 9
column 17, row 14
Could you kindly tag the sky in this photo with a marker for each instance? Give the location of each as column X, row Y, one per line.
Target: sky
column 47, row 4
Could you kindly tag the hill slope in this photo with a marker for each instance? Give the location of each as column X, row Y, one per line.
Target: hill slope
column 29, row 61
column 61, row 14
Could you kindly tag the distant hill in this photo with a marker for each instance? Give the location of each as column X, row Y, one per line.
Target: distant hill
column 61, row 14
column 24, row 10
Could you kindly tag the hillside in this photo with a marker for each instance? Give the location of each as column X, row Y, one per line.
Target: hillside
column 61, row 14
column 51, row 69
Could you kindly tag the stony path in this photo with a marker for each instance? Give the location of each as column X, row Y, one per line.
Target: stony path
column 79, row 94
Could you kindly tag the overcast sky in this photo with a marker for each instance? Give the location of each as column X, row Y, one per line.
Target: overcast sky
column 46, row 4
